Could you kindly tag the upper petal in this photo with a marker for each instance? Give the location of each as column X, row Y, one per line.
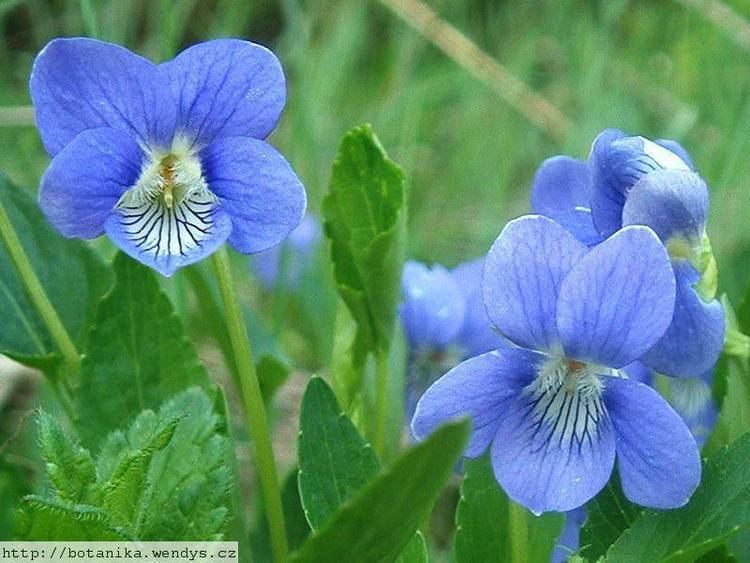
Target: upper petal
column 226, row 88
column 694, row 339
column 657, row 457
column 523, row 273
column 432, row 308
column 617, row 163
column 258, row 189
column 479, row 388
column 554, row 449
column 85, row 180
column 618, row 300
column 562, row 191
column 78, row 84
column 674, row 203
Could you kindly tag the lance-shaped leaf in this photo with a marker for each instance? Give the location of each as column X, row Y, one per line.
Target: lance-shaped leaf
column 335, row 462
column 70, row 272
column 717, row 510
column 379, row 521
column 481, row 538
column 137, row 355
column 365, row 219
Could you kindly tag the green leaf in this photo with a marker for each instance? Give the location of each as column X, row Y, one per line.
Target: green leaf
column 718, row 509
column 481, row 538
column 365, row 218
column 415, row 551
column 137, row 356
column 190, row 480
column 57, row 520
column 608, row 515
column 378, row 522
column 167, row 477
column 123, row 493
column 69, row 466
column 335, row 462
column 72, row 275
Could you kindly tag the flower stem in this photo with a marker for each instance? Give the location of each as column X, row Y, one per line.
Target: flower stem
column 518, row 533
column 255, row 410
column 39, row 299
column 381, row 401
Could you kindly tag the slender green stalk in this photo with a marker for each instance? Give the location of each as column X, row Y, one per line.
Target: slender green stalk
column 381, row 400
column 519, row 549
column 37, row 294
column 255, row 411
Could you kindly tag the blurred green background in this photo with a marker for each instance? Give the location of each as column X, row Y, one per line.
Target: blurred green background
column 677, row 69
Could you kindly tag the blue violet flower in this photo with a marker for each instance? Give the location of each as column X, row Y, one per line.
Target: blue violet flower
column 557, row 410
column 635, row 181
column 168, row 160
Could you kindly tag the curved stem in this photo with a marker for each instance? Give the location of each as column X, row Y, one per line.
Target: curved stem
column 381, row 401
column 255, row 410
column 518, row 533
column 37, row 294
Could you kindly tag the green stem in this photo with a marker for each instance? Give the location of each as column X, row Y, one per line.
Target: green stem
column 255, row 411
column 38, row 296
column 518, row 533
column 381, row 400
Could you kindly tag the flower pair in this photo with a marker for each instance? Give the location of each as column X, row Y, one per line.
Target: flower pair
column 168, row 160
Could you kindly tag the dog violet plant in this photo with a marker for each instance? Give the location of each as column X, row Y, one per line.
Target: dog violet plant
column 574, row 364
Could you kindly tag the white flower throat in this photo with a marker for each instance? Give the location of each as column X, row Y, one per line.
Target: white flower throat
column 565, row 400
column 169, row 210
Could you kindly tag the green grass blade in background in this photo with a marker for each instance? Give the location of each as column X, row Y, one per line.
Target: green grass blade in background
column 137, row 355
column 717, row 510
column 483, row 521
column 72, row 275
column 379, row 522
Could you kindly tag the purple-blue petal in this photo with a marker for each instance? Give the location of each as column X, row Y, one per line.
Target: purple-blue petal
column 226, row 88
column 618, row 300
column 617, row 164
column 553, row 452
column 85, row 180
column 477, row 335
column 639, row 372
column 167, row 263
column 657, row 457
column 258, row 189
column 693, row 341
column 674, row 203
column 525, row 268
column 562, row 191
column 432, row 307
column 78, row 84
column 480, row 388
